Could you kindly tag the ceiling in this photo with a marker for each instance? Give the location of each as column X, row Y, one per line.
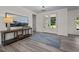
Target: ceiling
column 39, row 9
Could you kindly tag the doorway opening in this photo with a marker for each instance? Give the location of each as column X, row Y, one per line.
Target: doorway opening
column 34, row 22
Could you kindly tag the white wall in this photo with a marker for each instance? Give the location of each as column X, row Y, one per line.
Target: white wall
column 71, row 21
column 39, row 23
column 72, row 14
column 61, row 22
column 65, row 22
column 19, row 11
column 15, row 10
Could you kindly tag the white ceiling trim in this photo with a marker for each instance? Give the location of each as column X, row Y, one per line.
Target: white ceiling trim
column 40, row 9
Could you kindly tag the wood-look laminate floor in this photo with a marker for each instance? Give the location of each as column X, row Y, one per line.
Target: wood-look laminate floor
column 68, row 44
column 28, row 45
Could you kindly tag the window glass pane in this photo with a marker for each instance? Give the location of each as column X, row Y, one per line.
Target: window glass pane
column 52, row 23
column 77, row 23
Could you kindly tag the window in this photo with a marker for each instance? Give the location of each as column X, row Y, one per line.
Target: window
column 52, row 23
column 77, row 23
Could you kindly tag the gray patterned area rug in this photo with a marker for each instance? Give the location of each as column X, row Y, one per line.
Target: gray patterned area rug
column 46, row 38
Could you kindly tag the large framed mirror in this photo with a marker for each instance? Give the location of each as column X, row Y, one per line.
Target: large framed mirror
column 17, row 20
